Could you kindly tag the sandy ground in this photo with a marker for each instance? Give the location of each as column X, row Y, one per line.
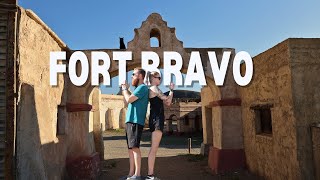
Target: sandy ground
column 173, row 159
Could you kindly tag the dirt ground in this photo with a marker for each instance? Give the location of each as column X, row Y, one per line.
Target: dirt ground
column 173, row 159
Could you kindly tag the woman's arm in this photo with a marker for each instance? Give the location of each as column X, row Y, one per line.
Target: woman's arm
column 168, row 101
column 158, row 93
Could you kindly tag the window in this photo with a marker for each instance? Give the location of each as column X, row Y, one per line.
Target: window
column 154, row 42
column 155, row 38
column 186, row 120
column 263, row 119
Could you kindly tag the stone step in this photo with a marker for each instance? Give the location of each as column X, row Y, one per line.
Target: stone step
column 3, row 29
column 2, row 173
column 2, row 63
column 3, row 49
column 3, row 23
column 2, row 131
column 3, row 16
column 3, row 35
column 3, row 43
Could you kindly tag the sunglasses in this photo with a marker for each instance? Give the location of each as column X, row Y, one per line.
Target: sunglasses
column 133, row 74
column 158, row 78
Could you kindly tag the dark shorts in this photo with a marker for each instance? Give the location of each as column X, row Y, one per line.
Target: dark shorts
column 133, row 135
column 156, row 123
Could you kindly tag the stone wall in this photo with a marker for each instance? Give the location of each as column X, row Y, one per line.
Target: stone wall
column 272, row 156
column 305, row 69
column 315, row 131
column 41, row 153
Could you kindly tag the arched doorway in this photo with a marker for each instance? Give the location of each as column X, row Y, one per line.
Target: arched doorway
column 122, row 117
column 171, row 124
column 109, row 119
column 95, row 125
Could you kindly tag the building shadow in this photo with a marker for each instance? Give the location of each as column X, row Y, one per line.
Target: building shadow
column 29, row 156
column 36, row 157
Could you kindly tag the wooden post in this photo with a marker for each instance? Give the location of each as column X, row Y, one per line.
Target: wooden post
column 189, row 145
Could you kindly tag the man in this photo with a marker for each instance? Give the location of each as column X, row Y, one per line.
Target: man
column 135, row 119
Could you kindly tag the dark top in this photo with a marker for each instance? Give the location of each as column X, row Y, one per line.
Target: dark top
column 156, row 108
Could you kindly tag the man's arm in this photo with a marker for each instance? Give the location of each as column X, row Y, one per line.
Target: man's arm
column 128, row 96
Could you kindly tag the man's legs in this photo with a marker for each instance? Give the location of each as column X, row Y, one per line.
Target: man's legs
column 131, row 162
column 156, row 138
column 137, row 160
column 133, row 134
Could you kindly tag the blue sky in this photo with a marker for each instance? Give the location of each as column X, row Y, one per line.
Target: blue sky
column 252, row 26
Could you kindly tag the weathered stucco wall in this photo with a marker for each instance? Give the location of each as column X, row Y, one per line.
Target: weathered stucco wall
column 305, row 64
column 272, row 156
column 41, row 150
column 37, row 140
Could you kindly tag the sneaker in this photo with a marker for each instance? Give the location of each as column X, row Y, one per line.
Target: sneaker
column 151, row 177
column 134, row 177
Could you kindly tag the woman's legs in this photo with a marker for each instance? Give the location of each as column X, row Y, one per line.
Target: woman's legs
column 156, row 138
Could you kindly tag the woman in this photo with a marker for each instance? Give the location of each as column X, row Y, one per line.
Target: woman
column 156, row 119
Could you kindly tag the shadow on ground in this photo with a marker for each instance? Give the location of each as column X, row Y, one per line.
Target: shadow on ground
column 172, row 163
column 180, row 167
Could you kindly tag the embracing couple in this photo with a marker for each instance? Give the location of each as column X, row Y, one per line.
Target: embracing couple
column 136, row 114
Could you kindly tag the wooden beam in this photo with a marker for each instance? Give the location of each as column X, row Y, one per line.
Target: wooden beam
column 226, row 102
column 78, row 107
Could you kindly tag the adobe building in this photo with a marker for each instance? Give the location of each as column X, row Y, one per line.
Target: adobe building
column 281, row 110
column 54, row 132
column 184, row 114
